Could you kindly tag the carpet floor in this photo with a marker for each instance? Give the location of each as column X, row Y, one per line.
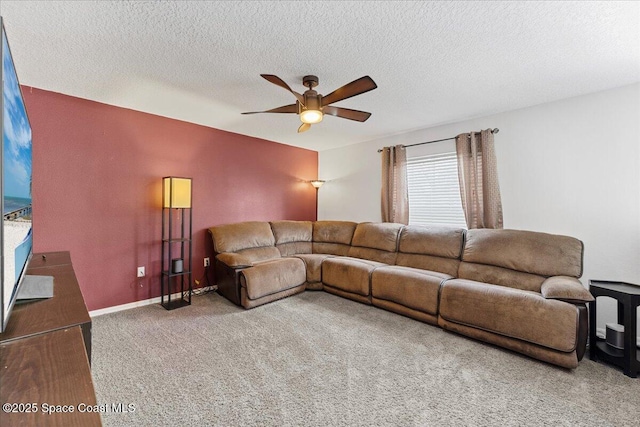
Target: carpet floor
column 316, row 359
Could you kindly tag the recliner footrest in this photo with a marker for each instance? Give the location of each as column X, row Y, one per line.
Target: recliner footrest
column 273, row 276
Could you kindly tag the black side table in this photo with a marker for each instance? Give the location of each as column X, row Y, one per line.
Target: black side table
column 628, row 297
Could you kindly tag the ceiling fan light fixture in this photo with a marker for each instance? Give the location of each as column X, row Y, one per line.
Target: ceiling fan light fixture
column 312, row 106
column 311, row 116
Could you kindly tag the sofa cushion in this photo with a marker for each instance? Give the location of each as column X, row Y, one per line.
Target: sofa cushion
column 431, row 248
column 382, row 235
column 246, row 302
column 513, row 313
column 330, row 248
column 410, row 287
column 500, row 276
column 256, row 255
column 242, row 235
column 565, row 359
column 527, row 251
column 273, row 276
column 428, row 262
column 376, row 242
column 443, row 242
column 332, row 237
column 333, row 231
column 292, row 231
column 292, row 237
column 234, row 260
column 292, row 248
column 313, row 263
column 373, row 255
column 566, row 289
column 349, row 274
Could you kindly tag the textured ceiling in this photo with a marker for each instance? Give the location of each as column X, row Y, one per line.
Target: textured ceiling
column 434, row 62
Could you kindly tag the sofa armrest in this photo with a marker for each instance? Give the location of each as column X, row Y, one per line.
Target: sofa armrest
column 234, row 260
column 565, row 288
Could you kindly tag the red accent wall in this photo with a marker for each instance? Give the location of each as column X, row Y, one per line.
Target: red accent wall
column 97, row 177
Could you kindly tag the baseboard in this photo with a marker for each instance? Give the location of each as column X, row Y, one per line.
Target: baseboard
column 135, row 304
column 601, row 333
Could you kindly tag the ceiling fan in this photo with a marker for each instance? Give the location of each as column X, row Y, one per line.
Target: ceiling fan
column 311, row 106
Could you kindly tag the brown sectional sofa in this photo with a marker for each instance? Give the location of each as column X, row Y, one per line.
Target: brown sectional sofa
column 516, row 289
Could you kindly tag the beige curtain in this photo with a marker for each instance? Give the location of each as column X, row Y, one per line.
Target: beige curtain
column 395, row 198
column 478, row 176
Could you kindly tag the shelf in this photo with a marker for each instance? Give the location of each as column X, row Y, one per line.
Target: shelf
column 177, row 303
column 184, row 273
column 176, row 240
column 611, row 354
column 609, row 351
column 627, row 296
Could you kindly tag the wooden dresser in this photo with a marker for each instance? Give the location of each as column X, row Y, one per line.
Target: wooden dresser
column 45, row 354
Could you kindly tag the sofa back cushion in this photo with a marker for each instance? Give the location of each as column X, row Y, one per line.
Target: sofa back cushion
column 376, row 241
column 431, row 248
column 500, row 276
column 292, row 237
column 519, row 259
column 252, row 239
column 332, row 237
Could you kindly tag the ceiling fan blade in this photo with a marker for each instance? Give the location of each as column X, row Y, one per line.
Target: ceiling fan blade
column 279, row 82
column 291, row 108
column 304, row 127
column 346, row 113
column 356, row 87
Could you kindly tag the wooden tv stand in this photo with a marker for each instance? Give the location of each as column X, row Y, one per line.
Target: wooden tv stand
column 45, row 354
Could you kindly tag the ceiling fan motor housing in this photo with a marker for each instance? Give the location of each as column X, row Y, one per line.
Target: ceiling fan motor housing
column 312, row 101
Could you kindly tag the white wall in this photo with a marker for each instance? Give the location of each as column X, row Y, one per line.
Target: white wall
column 568, row 167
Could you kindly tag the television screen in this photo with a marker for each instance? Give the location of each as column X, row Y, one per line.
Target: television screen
column 16, row 232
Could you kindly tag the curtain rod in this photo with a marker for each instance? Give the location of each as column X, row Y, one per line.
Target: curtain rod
column 494, row 130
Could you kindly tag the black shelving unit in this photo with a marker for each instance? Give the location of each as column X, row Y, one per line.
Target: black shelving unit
column 628, row 297
column 176, row 244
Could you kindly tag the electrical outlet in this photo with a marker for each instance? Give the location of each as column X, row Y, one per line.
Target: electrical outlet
column 207, row 262
column 140, row 271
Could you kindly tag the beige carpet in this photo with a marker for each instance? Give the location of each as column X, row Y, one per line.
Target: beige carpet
column 320, row 360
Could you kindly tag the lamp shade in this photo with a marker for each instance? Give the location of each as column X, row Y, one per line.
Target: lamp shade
column 311, row 116
column 317, row 183
column 176, row 192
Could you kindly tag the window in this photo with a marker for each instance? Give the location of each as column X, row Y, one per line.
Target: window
column 434, row 191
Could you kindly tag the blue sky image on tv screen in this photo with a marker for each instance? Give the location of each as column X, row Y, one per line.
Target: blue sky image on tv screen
column 16, row 134
column 16, row 180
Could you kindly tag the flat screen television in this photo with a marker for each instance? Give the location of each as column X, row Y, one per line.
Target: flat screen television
column 15, row 189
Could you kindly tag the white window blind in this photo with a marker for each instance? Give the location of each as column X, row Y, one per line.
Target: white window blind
column 434, row 191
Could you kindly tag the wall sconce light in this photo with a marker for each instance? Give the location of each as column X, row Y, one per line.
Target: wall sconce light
column 317, row 183
column 176, row 192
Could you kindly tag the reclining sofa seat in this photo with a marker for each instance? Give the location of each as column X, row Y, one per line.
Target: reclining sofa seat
column 313, row 243
column 373, row 245
column 516, row 289
column 427, row 257
column 250, row 270
column 520, row 290
column 259, row 262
